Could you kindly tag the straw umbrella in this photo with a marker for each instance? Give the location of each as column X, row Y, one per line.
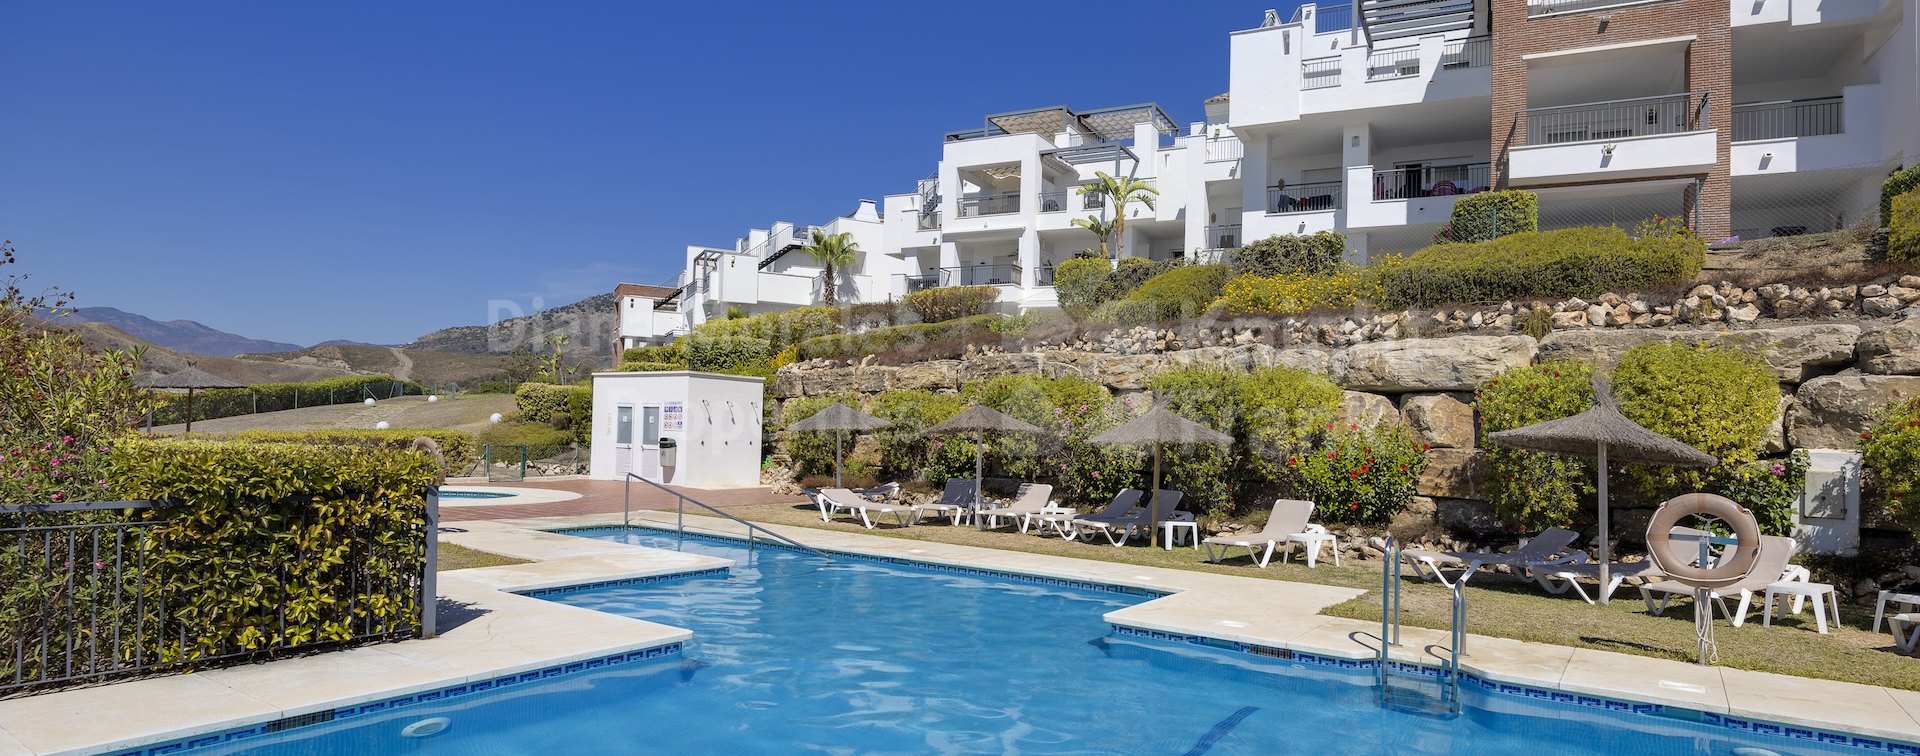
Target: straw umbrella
column 979, row 419
column 1159, row 427
column 1602, row 433
column 190, row 378
column 839, row 418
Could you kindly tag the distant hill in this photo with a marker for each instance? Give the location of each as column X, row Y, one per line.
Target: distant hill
column 588, row 323
column 160, row 359
column 424, row 365
column 178, row 335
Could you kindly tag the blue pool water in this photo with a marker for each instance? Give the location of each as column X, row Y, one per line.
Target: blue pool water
column 793, row 654
column 455, row 493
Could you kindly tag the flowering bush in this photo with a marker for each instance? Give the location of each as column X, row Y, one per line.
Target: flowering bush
column 1769, row 487
column 1891, row 459
column 1533, row 490
column 61, row 404
column 1661, row 226
column 1293, row 294
column 1361, row 475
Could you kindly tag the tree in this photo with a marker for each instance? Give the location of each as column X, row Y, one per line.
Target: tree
column 555, row 370
column 1100, row 228
column 1119, row 192
column 831, row 253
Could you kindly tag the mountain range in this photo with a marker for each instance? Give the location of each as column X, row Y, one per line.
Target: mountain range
column 179, row 335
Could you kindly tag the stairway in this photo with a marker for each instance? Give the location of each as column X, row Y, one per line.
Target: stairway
column 1415, row 688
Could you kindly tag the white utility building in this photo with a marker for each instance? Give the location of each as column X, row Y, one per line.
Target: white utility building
column 683, row 428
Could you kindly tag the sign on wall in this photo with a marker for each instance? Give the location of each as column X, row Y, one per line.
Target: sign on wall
column 673, row 417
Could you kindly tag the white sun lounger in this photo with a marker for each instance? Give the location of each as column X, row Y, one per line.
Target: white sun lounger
column 837, row 499
column 956, row 500
column 1545, row 547
column 1566, row 573
column 1287, row 520
column 1032, row 499
column 1119, row 528
column 1772, row 567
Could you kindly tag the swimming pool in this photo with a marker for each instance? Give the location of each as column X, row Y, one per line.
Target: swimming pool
column 795, row 654
column 456, row 493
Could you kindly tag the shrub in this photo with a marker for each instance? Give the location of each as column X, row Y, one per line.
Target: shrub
column 1210, row 397
column 1127, row 312
column 864, row 315
column 272, row 397
column 811, row 452
column 1532, row 490
column 1716, row 399
column 1661, row 226
column 906, row 454
column 1574, row 262
column 1026, row 322
column 779, row 329
column 739, row 355
column 951, row 302
column 1491, row 215
column 891, row 338
column 671, row 354
column 651, row 367
column 1131, row 272
column 278, row 544
column 542, row 440
column 1071, row 410
column 459, row 448
column 1321, row 252
column 1281, row 411
column 1081, row 282
column 1891, row 461
column 541, row 402
column 1903, row 235
column 1903, row 181
column 1292, row 294
column 1534, row 322
column 580, row 408
column 1769, row 487
column 1361, row 475
column 1184, row 291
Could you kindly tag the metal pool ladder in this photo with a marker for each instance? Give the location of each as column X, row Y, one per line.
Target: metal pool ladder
column 680, row 519
column 1408, row 686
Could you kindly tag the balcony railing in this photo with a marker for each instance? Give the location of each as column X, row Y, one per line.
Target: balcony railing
column 1472, row 52
column 1223, row 235
column 1320, row 74
column 980, row 275
column 1225, row 148
column 1430, row 181
column 1055, row 202
column 929, row 221
column 1393, row 64
column 1331, row 18
column 1092, row 201
column 974, row 205
column 1304, row 198
column 1543, row 7
column 1043, row 276
column 913, row 283
column 1788, row 118
column 1211, row 256
column 1616, row 119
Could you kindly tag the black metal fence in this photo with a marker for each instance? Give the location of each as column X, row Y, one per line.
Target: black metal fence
column 85, row 597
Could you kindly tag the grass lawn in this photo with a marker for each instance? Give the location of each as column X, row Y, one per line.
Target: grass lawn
column 1497, row 606
column 455, row 557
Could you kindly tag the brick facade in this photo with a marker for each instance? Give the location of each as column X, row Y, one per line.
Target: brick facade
column 1709, row 68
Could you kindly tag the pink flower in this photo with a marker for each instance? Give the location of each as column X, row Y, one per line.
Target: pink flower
column 1778, row 470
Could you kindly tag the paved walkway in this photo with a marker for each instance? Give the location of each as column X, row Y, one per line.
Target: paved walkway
column 604, row 497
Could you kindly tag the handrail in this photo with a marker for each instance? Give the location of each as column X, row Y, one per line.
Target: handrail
column 680, row 522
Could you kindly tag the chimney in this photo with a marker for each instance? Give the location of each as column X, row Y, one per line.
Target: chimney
column 868, row 211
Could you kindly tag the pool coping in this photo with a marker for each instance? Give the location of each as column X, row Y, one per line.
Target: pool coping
column 222, row 702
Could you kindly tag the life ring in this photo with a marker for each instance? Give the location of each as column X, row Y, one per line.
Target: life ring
column 432, row 448
column 1730, row 568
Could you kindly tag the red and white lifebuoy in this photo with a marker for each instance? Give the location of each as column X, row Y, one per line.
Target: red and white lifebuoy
column 1730, row 568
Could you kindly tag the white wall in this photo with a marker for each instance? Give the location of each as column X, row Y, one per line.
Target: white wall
column 719, row 445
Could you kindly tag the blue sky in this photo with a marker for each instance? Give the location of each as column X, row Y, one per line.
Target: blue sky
column 374, row 171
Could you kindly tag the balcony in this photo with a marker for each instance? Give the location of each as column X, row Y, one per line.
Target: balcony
column 981, row 275
column 1472, row 52
column 1546, row 7
column 1616, row 119
column 1220, row 149
column 1327, row 19
column 1393, row 64
column 1304, row 198
column 1645, row 137
column 1223, row 236
column 1320, row 73
column 913, row 283
column 1788, row 118
column 1430, row 181
column 976, row 205
column 1055, row 202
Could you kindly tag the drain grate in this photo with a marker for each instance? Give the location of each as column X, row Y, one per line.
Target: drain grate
column 318, row 717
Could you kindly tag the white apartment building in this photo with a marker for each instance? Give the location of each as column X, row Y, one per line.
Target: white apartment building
column 1744, row 117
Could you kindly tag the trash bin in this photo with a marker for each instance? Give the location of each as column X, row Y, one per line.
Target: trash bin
column 669, row 452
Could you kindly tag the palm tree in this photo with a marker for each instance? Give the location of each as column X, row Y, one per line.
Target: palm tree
column 1100, row 228
column 1119, row 192
column 831, row 253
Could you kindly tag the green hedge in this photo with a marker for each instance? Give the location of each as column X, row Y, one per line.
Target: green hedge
column 1575, row 262
column 1532, row 490
column 542, row 402
column 894, row 337
column 1080, row 283
column 742, row 355
column 1903, row 235
column 651, row 367
column 459, row 448
column 1184, row 291
column 864, row 315
column 1312, row 254
column 277, row 544
column 541, row 439
column 671, row 354
column 1717, row 399
column 1491, row 215
column 273, row 397
column 1891, row 461
column 951, row 302
column 1903, row 181
column 779, row 329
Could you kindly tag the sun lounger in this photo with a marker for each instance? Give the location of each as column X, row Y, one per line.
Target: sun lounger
column 1566, row 573
column 1772, row 567
column 956, row 500
column 1032, row 499
column 1060, row 520
column 838, row 499
column 1545, row 547
column 1287, row 521
column 1119, row 528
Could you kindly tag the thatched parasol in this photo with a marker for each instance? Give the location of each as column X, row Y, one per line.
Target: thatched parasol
column 839, row 418
column 1159, row 427
column 1600, row 433
column 190, row 378
column 980, row 419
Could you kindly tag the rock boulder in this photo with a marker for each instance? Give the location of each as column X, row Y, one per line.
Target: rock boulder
column 1793, row 352
column 1830, row 412
column 1442, row 420
column 1458, row 363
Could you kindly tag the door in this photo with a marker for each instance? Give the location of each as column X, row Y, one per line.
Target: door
column 650, row 442
column 623, row 441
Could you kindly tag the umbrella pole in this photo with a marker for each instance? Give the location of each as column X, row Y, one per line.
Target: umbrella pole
column 836, row 459
column 1153, row 501
column 1605, row 545
column 979, row 476
column 189, row 410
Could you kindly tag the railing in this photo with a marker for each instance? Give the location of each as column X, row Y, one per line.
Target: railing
column 1543, row 7
column 916, row 283
column 1043, row 275
column 974, row 205
column 1211, row 256
column 1386, row 669
column 1430, row 181
column 88, row 595
column 1393, row 64
column 680, row 516
column 1332, row 18
column 1093, row 201
column 1615, row 119
column 929, row 221
column 1472, row 52
column 1788, row 118
column 980, row 275
column 1055, row 201
column 1223, row 235
column 1304, row 198
column 1320, row 74
column 1225, row 148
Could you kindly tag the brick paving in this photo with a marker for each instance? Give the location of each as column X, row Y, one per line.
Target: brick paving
column 603, row 496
